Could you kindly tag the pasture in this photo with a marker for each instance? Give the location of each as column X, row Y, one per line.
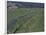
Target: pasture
column 22, row 20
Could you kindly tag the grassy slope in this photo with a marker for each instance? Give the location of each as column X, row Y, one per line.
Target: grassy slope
column 34, row 24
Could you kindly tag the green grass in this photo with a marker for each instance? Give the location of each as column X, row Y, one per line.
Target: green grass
column 34, row 23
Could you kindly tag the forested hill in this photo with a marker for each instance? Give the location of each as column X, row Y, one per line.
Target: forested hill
column 25, row 4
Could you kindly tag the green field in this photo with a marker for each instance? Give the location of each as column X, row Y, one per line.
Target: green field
column 27, row 20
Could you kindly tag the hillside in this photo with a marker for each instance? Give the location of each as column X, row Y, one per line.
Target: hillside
column 22, row 18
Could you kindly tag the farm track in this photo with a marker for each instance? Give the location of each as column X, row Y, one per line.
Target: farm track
column 27, row 21
column 21, row 21
column 23, row 17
